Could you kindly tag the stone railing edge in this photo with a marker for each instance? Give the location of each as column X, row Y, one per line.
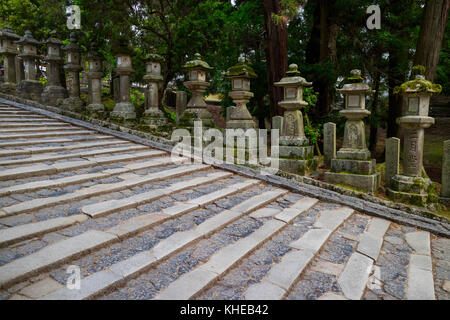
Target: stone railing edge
column 364, row 203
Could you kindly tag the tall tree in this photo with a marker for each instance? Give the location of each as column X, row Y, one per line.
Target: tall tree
column 432, row 29
column 276, row 51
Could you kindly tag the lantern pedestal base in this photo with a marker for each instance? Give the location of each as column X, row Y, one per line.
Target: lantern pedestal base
column 354, row 166
column 298, row 166
column 302, row 153
column 411, row 190
column 191, row 115
column 8, row 87
column 241, row 124
column 353, row 154
column 444, row 201
column 124, row 110
column 52, row 94
column 154, row 119
column 30, row 89
column 73, row 104
column 96, row 108
column 367, row 183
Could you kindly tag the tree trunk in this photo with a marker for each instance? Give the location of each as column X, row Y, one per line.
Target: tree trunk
column 432, row 29
column 373, row 118
column 396, row 77
column 276, row 53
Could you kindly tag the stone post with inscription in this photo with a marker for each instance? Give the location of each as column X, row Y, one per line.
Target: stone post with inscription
column 197, row 84
column 329, row 143
column 353, row 166
column 296, row 153
column 445, row 191
column 124, row 110
column 240, row 75
column 392, row 160
column 413, row 186
column 54, row 91
column 154, row 118
column 8, row 49
column 73, row 67
column 30, row 87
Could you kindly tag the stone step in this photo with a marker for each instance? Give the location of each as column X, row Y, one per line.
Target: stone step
column 353, row 280
column 26, row 151
column 8, row 112
column 420, row 273
column 32, row 125
column 16, row 234
column 56, row 253
column 45, row 169
column 76, row 179
column 38, row 129
column 100, row 209
column 97, row 190
column 195, row 282
column 27, row 117
column 54, row 156
column 9, row 119
column 283, row 276
column 46, row 141
column 120, row 272
column 46, row 134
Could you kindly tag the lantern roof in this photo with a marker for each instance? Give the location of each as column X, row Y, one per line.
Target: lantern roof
column 72, row 46
column 28, row 39
column 418, row 84
column 93, row 53
column 241, row 70
column 52, row 39
column 355, row 83
column 8, row 33
column 293, row 78
column 197, row 63
column 153, row 57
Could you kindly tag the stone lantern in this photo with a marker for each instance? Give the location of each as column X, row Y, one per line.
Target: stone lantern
column 196, row 107
column 30, row 87
column 53, row 91
column 124, row 110
column 73, row 67
column 413, row 186
column 95, row 75
column 353, row 165
column 8, row 48
column 240, row 76
column 153, row 116
column 296, row 153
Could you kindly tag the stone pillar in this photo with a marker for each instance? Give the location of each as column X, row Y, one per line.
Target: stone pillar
column 124, row 110
column 8, row 48
column 445, row 191
column 296, row 153
column 181, row 102
column 73, row 66
column 95, row 75
column 277, row 123
column 54, row 90
column 29, row 88
column 392, row 160
column 353, row 166
column 154, row 118
column 197, row 84
column 329, row 143
column 20, row 72
column 240, row 76
column 413, row 186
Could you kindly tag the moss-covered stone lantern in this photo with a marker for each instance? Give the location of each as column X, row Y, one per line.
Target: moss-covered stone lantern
column 353, row 166
column 196, row 107
column 154, row 117
column 30, row 87
column 296, row 152
column 240, row 76
column 8, row 49
column 413, row 186
column 95, row 74
column 73, row 67
column 54, row 91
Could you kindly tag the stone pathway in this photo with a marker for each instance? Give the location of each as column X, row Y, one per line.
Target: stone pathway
column 139, row 224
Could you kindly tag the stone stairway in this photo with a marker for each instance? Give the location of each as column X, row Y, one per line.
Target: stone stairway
column 140, row 224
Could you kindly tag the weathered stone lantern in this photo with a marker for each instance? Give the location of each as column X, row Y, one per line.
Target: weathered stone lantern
column 240, row 76
column 53, row 91
column 296, row 153
column 196, row 107
column 8, row 48
column 73, row 67
column 353, row 165
column 413, row 186
column 124, row 110
column 95, row 75
column 30, row 87
column 154, row 117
